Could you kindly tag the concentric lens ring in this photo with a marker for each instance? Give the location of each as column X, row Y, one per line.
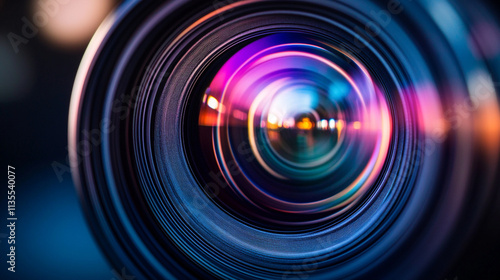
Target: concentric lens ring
column 284, row 84
column 271, row 139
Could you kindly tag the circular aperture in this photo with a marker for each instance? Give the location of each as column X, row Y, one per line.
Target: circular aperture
column 293, row 130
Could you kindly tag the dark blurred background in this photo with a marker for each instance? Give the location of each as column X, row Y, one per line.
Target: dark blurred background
column 36, row 79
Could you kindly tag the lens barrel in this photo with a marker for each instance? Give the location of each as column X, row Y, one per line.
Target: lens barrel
column 287, row 139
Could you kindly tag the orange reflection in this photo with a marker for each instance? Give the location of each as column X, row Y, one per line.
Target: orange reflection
column 305, row 124
column 70, row 23
column 488, row 127
column 340, row 125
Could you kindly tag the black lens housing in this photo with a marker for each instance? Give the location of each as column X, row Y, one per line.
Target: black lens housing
column 145, row 185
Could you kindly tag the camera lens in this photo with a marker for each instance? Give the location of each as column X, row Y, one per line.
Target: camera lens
column 293, row 130
column 287, row 139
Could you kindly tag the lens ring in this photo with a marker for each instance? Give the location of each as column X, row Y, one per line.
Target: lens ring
column 215, row 220
column 307, row 180
column 150, row 189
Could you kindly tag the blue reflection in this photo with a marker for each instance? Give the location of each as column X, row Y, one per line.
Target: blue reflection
column 52, row 237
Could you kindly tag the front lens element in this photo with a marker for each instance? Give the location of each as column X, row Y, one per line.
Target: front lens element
column 288, row 139
column 296, row 128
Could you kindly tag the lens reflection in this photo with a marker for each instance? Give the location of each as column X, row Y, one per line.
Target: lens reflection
column 303, row 125
column 251, row 147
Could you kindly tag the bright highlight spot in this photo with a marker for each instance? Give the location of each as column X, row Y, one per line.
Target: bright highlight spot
column 272, row 119
column 332, row 123
column 213, row 103
column 340, row 125
column 305, row 124
column 324, row 124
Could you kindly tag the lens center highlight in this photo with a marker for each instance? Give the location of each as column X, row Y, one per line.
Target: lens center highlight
column 299, row 130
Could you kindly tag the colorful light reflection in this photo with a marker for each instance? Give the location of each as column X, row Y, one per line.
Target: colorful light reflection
column 310, row 114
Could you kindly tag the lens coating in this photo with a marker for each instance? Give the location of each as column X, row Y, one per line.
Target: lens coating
column 296, row 127
column 195, row 178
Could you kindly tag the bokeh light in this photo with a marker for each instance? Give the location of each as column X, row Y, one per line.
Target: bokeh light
column 70, row 23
